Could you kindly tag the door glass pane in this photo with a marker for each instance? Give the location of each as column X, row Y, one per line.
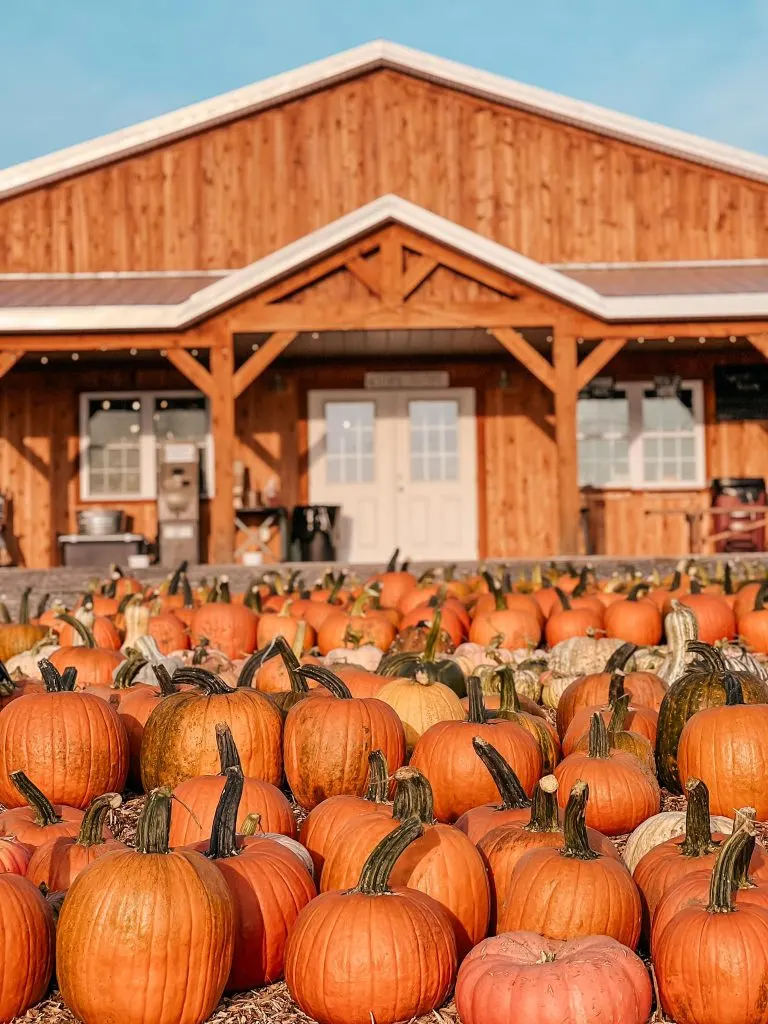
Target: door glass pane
column 668, row 432
column 603, row 436
column 433, row 433
column 183, row 418
column 114, row 440
column 349, row 439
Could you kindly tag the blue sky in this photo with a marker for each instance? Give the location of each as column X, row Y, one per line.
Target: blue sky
column 74, row 69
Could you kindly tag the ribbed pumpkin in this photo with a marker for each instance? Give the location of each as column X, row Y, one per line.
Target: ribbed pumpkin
column 172, row 910
column 446, row 755
column 95, row 665
column 195, row 800
column 509, row 625
column 636, row 619
column 525, row 977
column 26, row 946
column 570, row 621
column 638, row 718
column 14, row 856
column 137, row 702
column 753, row 625
column 574, row 891
column 409, row 664
column 57, row 863
column 327, row 741
column 727, row 747
column 412, row 935
column 515, row 804
column 269, row 886
column 231, row 628
column 711, row 961
column 420, row 703
column 702, row 685
column 37, row 821
column 623, row 791
column 169, row 632
column 360, row 625
column 180, row 735
column 393, row 583
column 325, row 821
column 716, row 620
column 72, row 745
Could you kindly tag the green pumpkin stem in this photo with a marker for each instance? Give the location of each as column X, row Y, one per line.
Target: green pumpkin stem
column 45, row 813
column 513, row 796
column 92, row 828
column 125, row 677
column 576, row 839
column 710, row 656
column 509, row 702
column 413, row 797
column 252, row 598
column 619, row 658
column 278, row 647
column 374, row 877
column 378, row 778
column 229, row 756
column 544, row 816
column 698, row 831
column 208, row 682
column 85, row 634
column 476, row 703
column 430, row 642
column 53, row 680
column 729, row 860
column 224, row 595
column 223, row 841
column 599, row 742
column 619, row 712
column 326, row 678
column 154, row 824
column 186, row 590
column 24, row 607
column 741, row 875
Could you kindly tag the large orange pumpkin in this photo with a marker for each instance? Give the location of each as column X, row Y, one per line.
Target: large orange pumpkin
column 459, row 779
column 26, row 946
column 635, row 619
column 169, row 632
column 328, row 741
column 231, row 628
column 753, row 625
column 95, row 664
column 412, row 935
column 172, row 910
column 515, row 806
column 574, row 891
column 72, row 745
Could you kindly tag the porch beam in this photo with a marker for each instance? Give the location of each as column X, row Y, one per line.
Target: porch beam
column 148, row 342
column 525, row 353
column 365, row 274
column 390, row 261
column 565, row 353
column 417, row 274
column 8, row 360
column 760, row 342
column 222, row 404
column 193, row 370
column 261, row 359
column 599, row 357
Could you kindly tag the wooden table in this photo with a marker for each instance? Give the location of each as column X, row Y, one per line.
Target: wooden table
column 699, row 537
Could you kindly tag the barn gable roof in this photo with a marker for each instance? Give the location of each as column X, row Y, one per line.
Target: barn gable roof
column 361, row 59
column 175, row 301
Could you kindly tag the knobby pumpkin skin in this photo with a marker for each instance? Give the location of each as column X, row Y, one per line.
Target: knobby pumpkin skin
column 328, row 741
column 460, row 781
column 39, row 821
column 339, row 942
column 727, row 747
column 269, row 886
column 522, row 976
column 26, row 946
column 180, row 735
column 72, row 745
column 573, row 891
column 196, row 800
column 172, row 910
column 711, row 961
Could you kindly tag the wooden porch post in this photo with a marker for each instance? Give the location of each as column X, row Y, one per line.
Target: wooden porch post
column 565, row 392
column 222, row 398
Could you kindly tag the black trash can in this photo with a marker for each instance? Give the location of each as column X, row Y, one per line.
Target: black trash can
column 735, row 491
column 313, row 532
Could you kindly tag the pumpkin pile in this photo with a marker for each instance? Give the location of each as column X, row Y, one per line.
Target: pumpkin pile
column 502, row 755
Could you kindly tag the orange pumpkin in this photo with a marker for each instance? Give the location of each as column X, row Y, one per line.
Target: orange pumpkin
column 283, row 624
column 716, row 620
column 38, row 822
column 169, row 632
column 355, row 627
column 635, row 619
column 95, row 665
column 515, row 806
column 231, row 628
column 393, row 583
column 26, row 946
column 571, row 620
column 753, row 625
column 640, row 719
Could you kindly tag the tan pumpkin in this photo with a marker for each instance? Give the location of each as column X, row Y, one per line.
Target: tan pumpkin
column 421, row 702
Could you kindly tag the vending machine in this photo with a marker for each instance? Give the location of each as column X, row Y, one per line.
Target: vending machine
column 178, row 503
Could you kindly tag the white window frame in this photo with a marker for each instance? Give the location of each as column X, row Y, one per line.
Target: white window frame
column 147, row 444
column 636, row 480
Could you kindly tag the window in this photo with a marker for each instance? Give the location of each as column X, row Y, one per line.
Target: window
column 434, row 439
column 120, row 433
column 638, row 438
column 349, row 442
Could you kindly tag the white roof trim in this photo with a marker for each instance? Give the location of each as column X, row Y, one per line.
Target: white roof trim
column 378, row 54
column 240, row 283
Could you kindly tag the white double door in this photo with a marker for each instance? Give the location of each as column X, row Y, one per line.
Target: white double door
column 402, row 466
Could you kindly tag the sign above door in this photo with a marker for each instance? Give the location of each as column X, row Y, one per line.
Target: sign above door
column 395, row 381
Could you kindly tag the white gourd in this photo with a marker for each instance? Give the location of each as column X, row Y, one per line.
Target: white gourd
column 680, row 626
column 661, row 827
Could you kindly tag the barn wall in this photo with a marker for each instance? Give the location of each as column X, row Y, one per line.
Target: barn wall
column 232, row 194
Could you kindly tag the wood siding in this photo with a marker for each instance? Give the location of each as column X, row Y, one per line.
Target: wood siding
column 232, row 194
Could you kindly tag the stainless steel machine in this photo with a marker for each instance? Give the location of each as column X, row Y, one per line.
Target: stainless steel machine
column 178, row 503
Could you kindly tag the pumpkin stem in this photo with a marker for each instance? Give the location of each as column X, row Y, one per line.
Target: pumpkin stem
column 599, row 744
column 727, row 579
column 741, row 876
column 229, row 756
column 173, row 585
column 430, row 643
column 252, row 598
column 251, row 825
column 53, row 680
column 326, row 678
column 544, row 816
column 495, row 591
column 37, row 800
column 125, row 601
column 564, row 600
column 509, row 702
column 615, row 688
column 24, row 607
column 128, row 670
column 760, row 597
column 92, row 828
column 277, row 647
column 200, row 653
column 378, row 778
column 734, row 692
column 576, row 839
column 224, row 829
column 695, row 585
column 374, row 877
column 164, row 681
column 723, row 884
column 413, row 796
column 153, row 826
column 698, row 830
column 710, row 656
column 85, row 634
column 476, row 703
column 619, row 658
column 638, row 590
column 186, row 590
column 676, row 580
column 5, row 615
column 392, row 563
column 513, row 796
column 208, row 682
column 619, row 712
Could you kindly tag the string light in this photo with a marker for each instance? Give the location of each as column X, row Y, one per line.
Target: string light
column 732, row 339
column 44, row 360
column 641, row 341
column 193, row 351
column 671, row 338
column 134, row 351
column 255, row 347
column 702, row 341
column 550, row 338
column 75, row 357
column 316, row 336
column 163, row 352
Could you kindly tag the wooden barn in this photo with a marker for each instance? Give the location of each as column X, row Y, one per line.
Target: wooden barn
column 485, row 320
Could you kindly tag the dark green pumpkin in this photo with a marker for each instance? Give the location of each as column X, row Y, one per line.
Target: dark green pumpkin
column 701, row 686
column 408, row 664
